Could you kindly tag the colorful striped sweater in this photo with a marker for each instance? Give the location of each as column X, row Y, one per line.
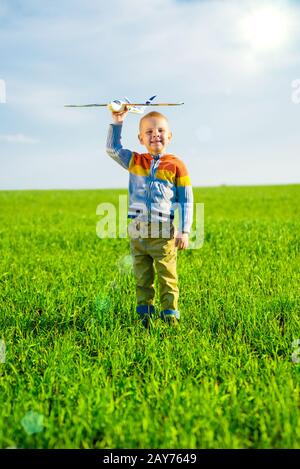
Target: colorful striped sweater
column 157, row 184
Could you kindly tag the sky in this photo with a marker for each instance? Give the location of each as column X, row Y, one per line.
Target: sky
column 235, row 64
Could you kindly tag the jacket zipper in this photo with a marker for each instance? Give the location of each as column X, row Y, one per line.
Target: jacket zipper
column 152, row 170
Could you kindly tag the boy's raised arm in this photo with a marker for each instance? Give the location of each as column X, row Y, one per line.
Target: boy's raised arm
column 113, row 144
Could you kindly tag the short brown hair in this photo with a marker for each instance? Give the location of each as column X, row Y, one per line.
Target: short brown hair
column 152, row 114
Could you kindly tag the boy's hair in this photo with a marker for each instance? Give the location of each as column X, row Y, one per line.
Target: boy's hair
column 152, row 114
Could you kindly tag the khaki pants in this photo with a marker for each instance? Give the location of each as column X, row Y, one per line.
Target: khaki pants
column 149, row 251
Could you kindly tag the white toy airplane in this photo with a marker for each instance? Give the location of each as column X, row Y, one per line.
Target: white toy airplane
column 120, row 105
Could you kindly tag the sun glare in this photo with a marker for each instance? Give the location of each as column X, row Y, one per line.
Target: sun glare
column 265, row 29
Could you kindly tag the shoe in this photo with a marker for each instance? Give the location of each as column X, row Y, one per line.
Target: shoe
column 171, row 320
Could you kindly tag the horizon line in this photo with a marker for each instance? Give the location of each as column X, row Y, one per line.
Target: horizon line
column 280, row 184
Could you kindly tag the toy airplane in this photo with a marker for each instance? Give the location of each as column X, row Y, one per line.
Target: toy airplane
column 121, row 105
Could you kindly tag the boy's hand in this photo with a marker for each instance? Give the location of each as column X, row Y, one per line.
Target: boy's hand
column 182, row 240
column 118, row 117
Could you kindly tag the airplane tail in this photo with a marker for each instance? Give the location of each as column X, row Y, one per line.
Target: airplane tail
column 150, row 99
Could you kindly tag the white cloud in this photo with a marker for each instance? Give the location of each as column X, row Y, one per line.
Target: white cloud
column 18, row 138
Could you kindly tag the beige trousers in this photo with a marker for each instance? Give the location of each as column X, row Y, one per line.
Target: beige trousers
column 153, row 249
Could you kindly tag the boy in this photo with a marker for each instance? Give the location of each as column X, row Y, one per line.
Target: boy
column 158, row 183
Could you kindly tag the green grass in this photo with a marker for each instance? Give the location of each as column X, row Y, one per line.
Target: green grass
column 77, row 356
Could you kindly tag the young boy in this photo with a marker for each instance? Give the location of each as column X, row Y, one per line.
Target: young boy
column 158, row 183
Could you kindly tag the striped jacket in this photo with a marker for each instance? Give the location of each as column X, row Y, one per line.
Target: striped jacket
column 157, row 184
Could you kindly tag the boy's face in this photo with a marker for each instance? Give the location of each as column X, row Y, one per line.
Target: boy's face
column 155, row 134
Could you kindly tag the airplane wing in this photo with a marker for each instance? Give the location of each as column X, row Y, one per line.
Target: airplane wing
column 129, row 104
column 121, row 104
column 156, row 104
column 84, row 105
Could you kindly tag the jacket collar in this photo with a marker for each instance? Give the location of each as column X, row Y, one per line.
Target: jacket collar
column 150, row 157
column 156, row 157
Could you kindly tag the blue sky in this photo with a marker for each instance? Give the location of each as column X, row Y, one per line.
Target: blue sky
column 232, row 62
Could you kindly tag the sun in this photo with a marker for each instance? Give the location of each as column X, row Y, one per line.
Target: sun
column 265, row 28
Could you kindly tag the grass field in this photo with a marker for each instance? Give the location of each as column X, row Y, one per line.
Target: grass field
column 78, row 371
